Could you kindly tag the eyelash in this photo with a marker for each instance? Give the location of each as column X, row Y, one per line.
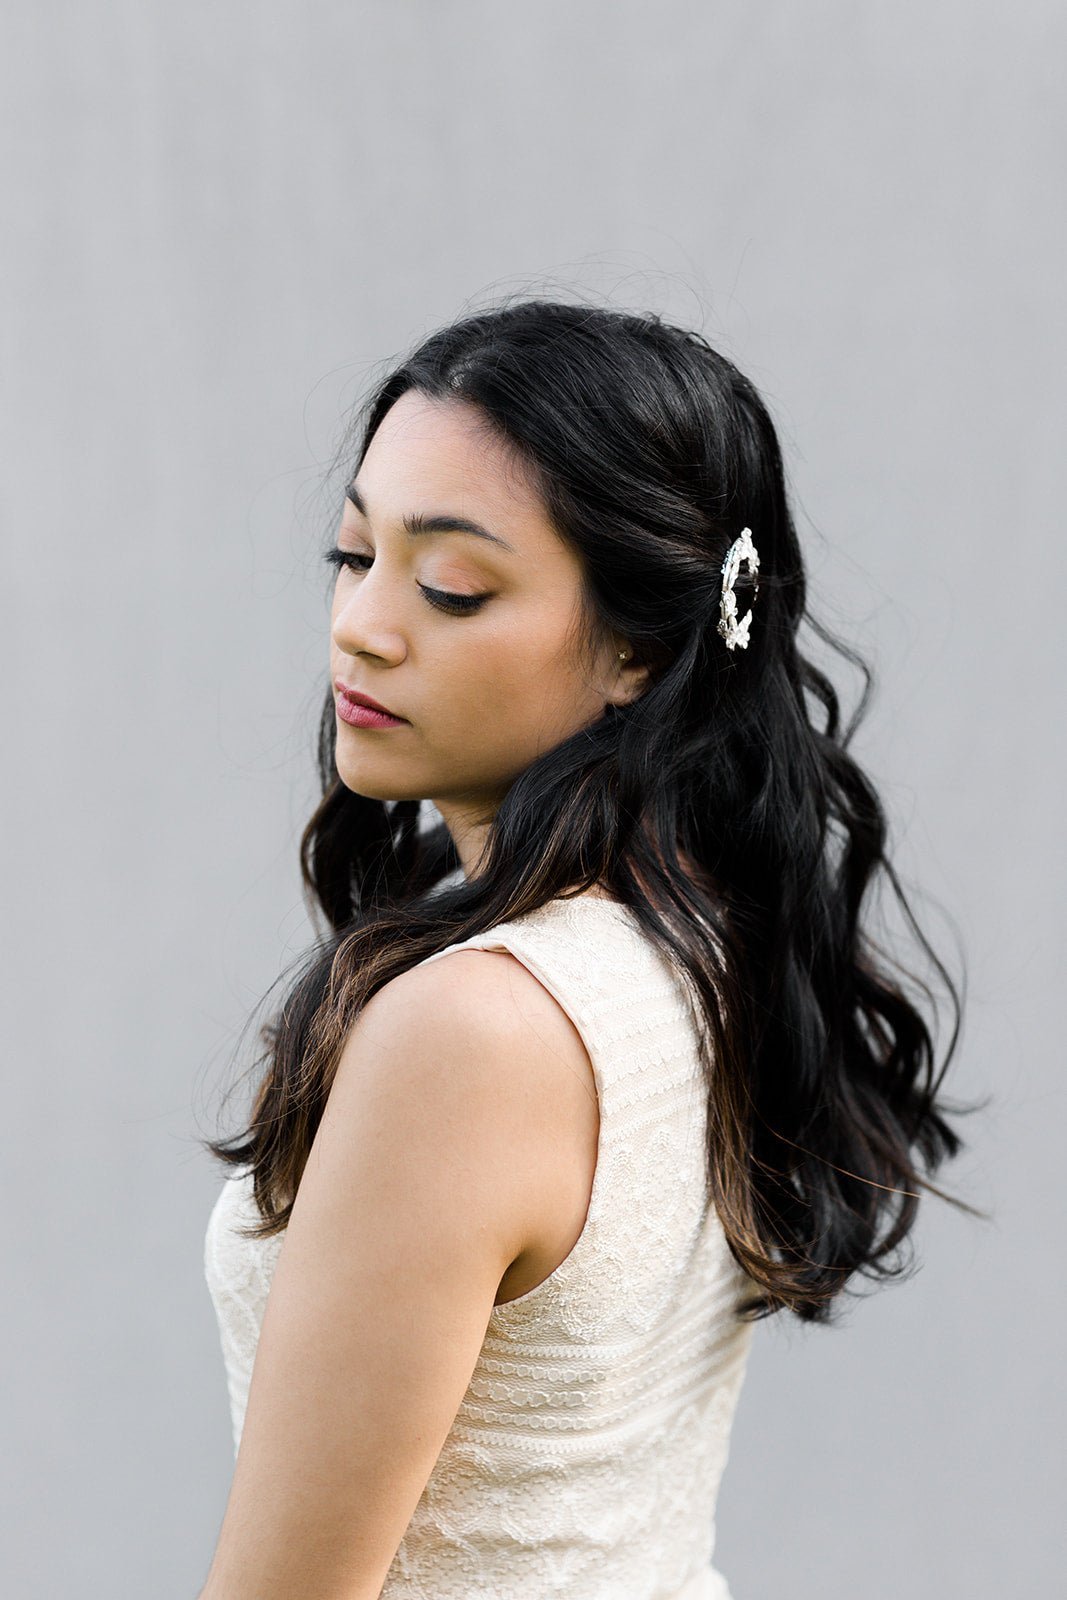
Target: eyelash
column 457, row 605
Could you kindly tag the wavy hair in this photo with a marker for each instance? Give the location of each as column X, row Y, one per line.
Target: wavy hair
column 651, row 452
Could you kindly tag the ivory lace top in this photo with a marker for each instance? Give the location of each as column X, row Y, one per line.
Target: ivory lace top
column 586, row 1455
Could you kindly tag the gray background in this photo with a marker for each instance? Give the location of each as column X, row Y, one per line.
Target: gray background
column 226, row 220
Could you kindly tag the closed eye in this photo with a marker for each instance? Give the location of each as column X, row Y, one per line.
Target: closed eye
column 441, row 599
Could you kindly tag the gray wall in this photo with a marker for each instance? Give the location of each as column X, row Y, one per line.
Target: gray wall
column 225, row 219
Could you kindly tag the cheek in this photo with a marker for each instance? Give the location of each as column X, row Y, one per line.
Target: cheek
column 488, row 690
column 485, row 675
column 524, row 688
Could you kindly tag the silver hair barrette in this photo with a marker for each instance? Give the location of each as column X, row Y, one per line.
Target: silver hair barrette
column 736, row 633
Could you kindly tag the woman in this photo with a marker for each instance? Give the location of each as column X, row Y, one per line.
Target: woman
column 591, row 1075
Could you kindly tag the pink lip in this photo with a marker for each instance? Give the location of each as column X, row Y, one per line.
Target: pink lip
column 364, row 717
column 360, row 711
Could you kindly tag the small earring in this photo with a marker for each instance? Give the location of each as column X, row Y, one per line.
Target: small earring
column 623, row 655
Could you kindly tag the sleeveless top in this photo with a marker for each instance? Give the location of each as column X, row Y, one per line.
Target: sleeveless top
column 586, row 1455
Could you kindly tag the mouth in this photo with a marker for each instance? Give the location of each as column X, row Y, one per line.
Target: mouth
column 361, row 711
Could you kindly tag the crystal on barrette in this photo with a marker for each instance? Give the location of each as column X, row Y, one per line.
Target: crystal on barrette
column 733, row 632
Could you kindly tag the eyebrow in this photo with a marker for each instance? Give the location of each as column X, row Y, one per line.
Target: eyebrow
column 415, row 523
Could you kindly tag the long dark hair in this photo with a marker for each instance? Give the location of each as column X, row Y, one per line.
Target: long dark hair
column 652, row 452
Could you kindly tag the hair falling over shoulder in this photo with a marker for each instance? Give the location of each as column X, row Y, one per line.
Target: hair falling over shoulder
column 652, row 453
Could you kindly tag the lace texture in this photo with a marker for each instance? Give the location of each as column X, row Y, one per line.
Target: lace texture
column 586, row 1456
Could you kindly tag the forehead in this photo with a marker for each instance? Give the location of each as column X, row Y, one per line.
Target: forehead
column 433, row 456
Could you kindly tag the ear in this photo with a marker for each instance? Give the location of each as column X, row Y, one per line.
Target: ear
column 630, row 678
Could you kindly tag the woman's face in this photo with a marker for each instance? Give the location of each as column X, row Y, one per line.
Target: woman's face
column 482, row 691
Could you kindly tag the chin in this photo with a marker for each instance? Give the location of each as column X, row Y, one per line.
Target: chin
column 376, row 790
column 361, row 778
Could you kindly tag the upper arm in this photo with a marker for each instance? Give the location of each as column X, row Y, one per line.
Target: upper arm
column 431, row 1170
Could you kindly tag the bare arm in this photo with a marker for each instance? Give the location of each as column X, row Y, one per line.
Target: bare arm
column 455, row 1138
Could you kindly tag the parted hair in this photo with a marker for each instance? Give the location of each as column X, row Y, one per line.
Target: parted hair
column 651, row 452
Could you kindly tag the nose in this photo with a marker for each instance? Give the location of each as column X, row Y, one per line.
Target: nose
column 362, row 624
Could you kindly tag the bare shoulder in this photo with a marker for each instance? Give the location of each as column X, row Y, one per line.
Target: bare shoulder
column 490, row 1054
column 490, row 1000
